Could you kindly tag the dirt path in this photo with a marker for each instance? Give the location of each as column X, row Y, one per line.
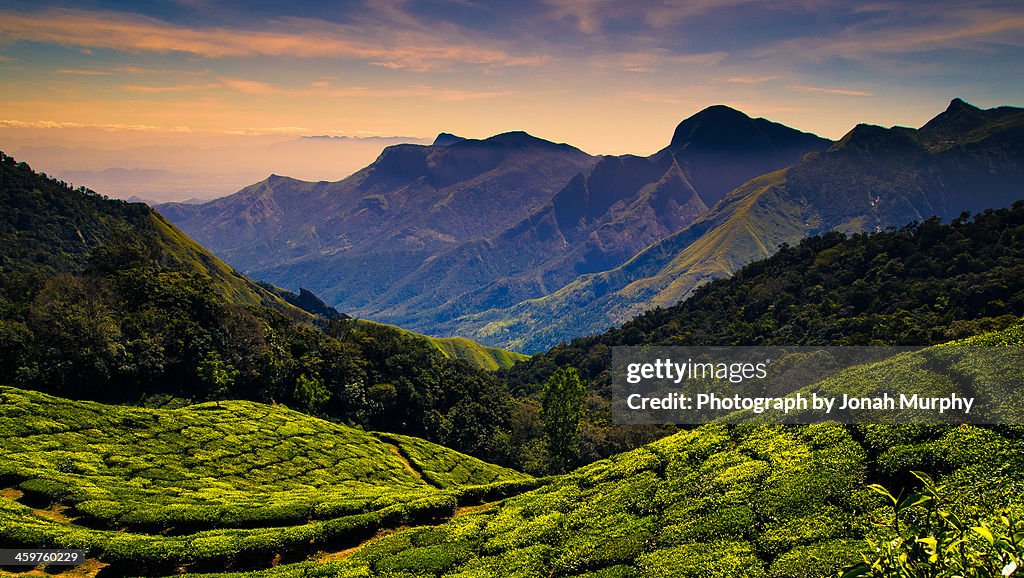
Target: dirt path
column 325, row 557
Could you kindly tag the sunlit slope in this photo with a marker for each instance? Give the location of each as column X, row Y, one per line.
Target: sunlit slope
column 477, row 355
column 148, row 490
column 47, row 227
column 489, row 358
column 716, row 501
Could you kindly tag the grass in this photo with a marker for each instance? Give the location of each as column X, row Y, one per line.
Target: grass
column 477, row 355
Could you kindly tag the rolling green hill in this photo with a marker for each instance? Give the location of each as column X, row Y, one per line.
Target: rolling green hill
column 106, row 301
column 481, row 356
column 154, row 492
column 217, row 484
column 490, row 358
column 48, row 228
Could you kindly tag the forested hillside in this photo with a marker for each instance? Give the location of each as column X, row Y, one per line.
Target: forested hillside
column 47, row 228
column 104, row 300
column 922, row 284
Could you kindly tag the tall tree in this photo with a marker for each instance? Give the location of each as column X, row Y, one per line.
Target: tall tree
column 561, row 410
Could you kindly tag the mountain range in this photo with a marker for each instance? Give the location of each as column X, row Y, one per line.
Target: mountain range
column 518, row 242
column 428, row 235
column 964, row 159
column 96, row 296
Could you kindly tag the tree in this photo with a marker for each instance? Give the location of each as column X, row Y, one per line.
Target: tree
column 216, row 376
column 561, row 409
column 311, row 393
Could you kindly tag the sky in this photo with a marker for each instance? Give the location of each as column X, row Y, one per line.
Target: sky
column 609, row 77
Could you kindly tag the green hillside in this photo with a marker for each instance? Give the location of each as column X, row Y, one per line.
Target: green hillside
column 48, row 228
column 490, row 358
column 104, row 300
column 481, row 356
column 919, row 285
column 270, row 492
column 216, row 484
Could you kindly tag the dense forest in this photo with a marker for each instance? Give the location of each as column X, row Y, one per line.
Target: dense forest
column 923, row 284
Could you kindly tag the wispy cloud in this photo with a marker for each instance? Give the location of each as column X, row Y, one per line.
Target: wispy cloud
column 52, row 124
column 245, row 131
column 748, row 79
column 973, row 28
column 587, row 15
column 594, row 16
column 166, row 88
column 84, row 72
column 250, row 86
column 655, row 60
column 826, row 90
column 322, row 89
column 410, row 49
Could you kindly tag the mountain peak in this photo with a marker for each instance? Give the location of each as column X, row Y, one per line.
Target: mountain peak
column 516, row 137
column 446, row 138
column 958, row 105
column 959, row 117
column 716, row 126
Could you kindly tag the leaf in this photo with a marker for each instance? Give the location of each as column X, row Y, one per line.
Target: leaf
column 984, row 533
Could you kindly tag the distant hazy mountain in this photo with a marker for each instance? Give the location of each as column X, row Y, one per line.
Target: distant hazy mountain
column 965, row 159
column 429, row 234
column 350, row 241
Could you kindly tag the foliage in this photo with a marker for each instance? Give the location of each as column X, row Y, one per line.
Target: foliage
column 561, row 409
column 923, row 284
column 216, row 376
column 150, row 489
column 925, row 537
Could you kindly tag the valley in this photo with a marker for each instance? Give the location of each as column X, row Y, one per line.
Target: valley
column 171, row 416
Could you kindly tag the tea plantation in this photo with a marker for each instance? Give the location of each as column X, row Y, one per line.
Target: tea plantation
column 215, row 485
column 745, row 501
column 243, row 489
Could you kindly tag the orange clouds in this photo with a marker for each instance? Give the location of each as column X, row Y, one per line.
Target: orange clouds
column 412, row 49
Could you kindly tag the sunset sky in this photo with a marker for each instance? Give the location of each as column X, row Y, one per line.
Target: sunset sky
column 606, row 76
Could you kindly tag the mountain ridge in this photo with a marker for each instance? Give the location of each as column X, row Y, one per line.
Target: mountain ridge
column 910, row 179
column 420, row 276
